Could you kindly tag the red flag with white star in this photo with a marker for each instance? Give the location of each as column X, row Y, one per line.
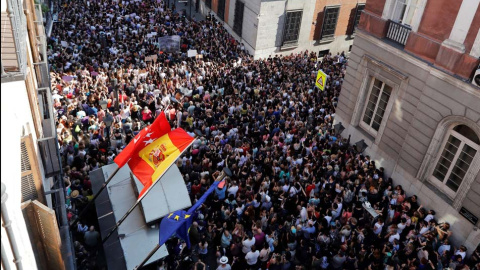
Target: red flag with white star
column 147, row 135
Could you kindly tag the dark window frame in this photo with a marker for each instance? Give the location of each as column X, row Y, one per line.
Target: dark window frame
column 221, row 10
column 238, row 17
column 358, row 12
column 292, row 26
column 208, row 3
column 330, row 21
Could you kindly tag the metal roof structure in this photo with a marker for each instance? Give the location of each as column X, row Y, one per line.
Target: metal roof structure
column 136, row 237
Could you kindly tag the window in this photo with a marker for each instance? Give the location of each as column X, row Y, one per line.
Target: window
column 378, row 97
column 358, row 13
column 459, row 149
column 208, row 3
column 323, row 53
column 403, row 11
column 291, row 30
column 221, row 9
column 238, row 17
column 330, row 19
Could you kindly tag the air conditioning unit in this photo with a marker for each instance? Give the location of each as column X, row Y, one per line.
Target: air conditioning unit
column 476, row 77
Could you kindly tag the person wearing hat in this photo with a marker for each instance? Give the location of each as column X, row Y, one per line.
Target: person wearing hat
column 75, row 197
column 224, row 264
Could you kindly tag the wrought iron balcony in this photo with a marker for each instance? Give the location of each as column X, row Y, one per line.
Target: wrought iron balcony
column 398, row 32
column 14, row 40
column 40, row 58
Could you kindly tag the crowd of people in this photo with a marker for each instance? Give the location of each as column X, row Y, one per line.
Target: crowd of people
column 297, row 197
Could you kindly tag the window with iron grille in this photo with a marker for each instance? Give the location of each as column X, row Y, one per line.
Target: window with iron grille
column 238, row 17
column 221, row 9
column 291, row 30
column 208, row 3
column 358, row 13
column 330, row 19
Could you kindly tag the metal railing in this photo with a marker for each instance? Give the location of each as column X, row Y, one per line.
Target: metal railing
column 18, row 23
column 398, row 32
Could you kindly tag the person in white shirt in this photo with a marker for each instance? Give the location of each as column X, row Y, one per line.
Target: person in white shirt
column 233, row 189
column 430, row 216
column 444, row 247
column 377, row 229
column 401, row 225
column 423, row 228
column 339, row 204
column 328, row 217
column 462, row 251
column 252, row 256
column 247, row 244
column 285, row 187
column 393, row 235
column 293, row 191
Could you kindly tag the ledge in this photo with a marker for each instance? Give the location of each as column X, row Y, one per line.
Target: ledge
column 13, row 77
column 288, row 46
column 326, row 40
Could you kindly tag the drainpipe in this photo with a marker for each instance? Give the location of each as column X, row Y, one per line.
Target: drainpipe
column 7, row 224
column 5, row 264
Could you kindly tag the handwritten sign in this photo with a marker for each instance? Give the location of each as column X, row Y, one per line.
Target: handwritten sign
column 151, row 58
column 192, row 53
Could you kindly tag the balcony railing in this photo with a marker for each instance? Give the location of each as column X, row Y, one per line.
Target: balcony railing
column 398, row 32
column 14, row 38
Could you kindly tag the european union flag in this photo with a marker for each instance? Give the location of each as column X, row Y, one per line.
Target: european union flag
column 179, row 222
column 174, row 223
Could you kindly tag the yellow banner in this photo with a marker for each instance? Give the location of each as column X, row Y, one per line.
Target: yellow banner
column 321, row 80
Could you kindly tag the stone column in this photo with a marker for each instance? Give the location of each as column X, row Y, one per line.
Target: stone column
column 462, row 25
column 475, row 52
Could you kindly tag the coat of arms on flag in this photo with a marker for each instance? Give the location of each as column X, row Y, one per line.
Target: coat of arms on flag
column 157, row 155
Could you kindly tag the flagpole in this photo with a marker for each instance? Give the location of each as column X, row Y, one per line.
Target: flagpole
column 157, row 247
column 225, row 173
column 84, row 211
column 143, row 196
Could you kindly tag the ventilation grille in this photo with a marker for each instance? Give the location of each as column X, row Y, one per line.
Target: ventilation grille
column 29, row 192
column 25, row 158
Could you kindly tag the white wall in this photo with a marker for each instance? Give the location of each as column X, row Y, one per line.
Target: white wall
column 15, row 115
column 271, row 21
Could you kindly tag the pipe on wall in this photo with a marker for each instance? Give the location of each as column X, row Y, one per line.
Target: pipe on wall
column 7, row 224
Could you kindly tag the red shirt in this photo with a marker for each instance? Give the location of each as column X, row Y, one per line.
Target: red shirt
column 196, row 189
column 309, row 189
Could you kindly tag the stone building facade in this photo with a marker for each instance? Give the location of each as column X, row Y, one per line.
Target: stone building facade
column 268, row 27
column 408, row 94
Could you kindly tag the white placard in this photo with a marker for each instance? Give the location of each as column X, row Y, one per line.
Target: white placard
column 192, row 53
column 64, row 44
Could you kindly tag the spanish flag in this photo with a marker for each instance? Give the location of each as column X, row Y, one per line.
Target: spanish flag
column 153, row 151
column 157, row 155
column 157, row 129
